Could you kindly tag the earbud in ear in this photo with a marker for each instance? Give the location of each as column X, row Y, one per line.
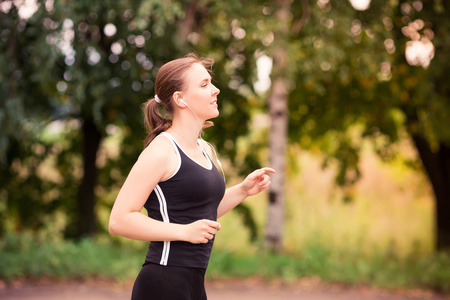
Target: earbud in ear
column 182, row 101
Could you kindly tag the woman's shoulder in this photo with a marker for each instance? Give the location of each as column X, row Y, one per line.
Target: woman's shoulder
column 160, row 150
column 160, row 157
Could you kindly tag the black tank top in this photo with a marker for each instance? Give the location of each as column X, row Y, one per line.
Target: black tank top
column 192, row 193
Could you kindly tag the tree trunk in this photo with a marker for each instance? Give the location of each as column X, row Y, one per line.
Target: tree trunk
column 86, row 217
column 437, row 166
column 277, row 145
column 278, row 131
column 186, row 26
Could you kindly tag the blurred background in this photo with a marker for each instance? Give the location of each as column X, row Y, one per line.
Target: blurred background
column 348, row 100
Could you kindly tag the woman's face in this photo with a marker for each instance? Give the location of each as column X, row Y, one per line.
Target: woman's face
column 200, row 93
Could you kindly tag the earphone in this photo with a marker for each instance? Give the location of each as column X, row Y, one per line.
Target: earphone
column 182, row 101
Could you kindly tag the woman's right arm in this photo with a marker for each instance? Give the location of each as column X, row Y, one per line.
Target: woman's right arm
column 156, row 162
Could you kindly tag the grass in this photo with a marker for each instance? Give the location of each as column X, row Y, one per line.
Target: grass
column 380, row 270
column 26, row 256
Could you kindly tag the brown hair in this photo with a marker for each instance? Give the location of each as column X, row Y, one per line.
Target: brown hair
column 170, row 79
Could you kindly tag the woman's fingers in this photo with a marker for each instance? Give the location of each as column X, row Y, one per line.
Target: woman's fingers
column 267, row 170
column 264, row 179
column 202, row 231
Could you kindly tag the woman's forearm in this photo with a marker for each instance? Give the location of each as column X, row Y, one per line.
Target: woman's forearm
column 136, row 226
column 232, row 198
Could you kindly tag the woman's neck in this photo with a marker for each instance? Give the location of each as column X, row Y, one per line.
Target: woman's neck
column 186, row 133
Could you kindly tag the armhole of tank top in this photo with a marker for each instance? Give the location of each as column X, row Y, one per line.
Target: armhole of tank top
column 169, row 137
column 206, row 154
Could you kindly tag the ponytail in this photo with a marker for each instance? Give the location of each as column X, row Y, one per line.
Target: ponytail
column 154, row 121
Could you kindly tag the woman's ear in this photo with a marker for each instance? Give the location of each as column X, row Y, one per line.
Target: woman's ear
column 178, row 99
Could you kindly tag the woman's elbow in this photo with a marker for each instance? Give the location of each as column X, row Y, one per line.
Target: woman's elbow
column 113, row 226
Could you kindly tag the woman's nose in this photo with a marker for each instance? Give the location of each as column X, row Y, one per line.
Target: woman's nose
column 216, row 91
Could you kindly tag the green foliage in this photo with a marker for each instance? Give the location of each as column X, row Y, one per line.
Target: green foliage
column 334, row 265
column 24, row 79
column 26, row 256
column 29, row 256
column 92, row 75
column 351, row 72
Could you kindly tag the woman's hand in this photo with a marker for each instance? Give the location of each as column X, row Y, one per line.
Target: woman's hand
column 201, row 231
column 257, row 181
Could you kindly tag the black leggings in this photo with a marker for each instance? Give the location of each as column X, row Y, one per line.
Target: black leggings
column 169, row 283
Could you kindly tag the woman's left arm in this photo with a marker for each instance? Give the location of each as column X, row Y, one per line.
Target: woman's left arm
column 254, row 183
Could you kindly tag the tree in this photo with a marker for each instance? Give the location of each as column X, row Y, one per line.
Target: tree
column 349, row 78
column 357, row 81
column 344, row 73
column 105, row 57
column 425, row 98
column 24, row 82
column 99, row 69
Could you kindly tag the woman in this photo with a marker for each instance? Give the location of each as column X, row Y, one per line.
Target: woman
column 176, row 181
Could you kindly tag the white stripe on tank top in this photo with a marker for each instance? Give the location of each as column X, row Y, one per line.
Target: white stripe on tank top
column 165, row 217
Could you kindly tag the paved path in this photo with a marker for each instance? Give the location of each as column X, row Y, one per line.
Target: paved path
column 217, row 290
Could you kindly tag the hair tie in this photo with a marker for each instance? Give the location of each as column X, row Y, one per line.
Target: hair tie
column 157, row 99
